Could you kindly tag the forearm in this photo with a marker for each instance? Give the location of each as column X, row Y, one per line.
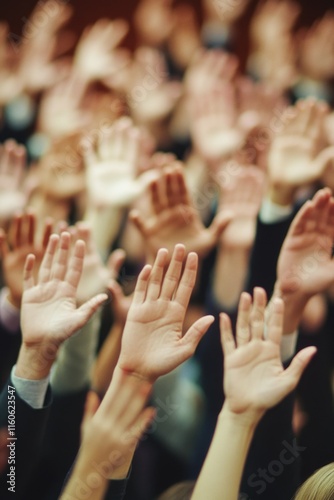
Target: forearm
column 72, row 370
column 230, row 275
column 84, row 476
column 107, row 359
column 221, row 473
column 105, row 223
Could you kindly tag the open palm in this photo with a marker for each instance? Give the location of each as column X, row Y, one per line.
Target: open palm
column 49, row 310
column 305, row 263
column 153, row 343
column 254, row 378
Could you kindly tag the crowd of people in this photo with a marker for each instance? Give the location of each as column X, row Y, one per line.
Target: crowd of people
column 166, row 249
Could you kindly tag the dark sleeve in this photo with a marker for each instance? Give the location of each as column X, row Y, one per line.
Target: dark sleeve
column 60, row 446
column 117, row 488
column 30, row 426
column 267, row 246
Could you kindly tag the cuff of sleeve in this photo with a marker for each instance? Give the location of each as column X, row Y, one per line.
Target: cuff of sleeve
column 9, row 314
column 271, row 212
column 33, row 392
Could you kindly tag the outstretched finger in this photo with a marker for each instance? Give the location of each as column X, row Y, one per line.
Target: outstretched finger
column 59, row 267
column 173, row 273
column 275, row 321
column 188, row 280
column 257, row 314
column 157, row 273
column 139, row 294
column 46, row 265
column 28, row 277
column 243, row 320
column 226, row 335
column 75, row 266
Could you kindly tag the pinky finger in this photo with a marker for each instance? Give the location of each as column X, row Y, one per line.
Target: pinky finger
column 28, row 278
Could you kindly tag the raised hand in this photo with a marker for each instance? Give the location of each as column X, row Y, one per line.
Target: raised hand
column 305, row 264
column 97, row 56
column 60, row 111
column 38, row 69
column 96, row 276
column 223, row 11
column 20, row 242
column 296, row 156
column 111, row 171
column 11, row 86
column 49, row 314
column 153, row 342
column 271, row 21
column 254, row 381
column 174, row 218
column 154, row 21
column 158, row 96
column 216, row 130
column 242, row 196
column 254, row 378
column 316, row 49
column 12, row 165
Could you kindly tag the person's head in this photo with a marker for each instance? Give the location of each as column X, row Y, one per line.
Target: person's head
column 320, row 486
column 180, row 491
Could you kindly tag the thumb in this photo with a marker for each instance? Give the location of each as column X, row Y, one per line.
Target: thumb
column 294, row 372
column 195, row 333
column 86, row 311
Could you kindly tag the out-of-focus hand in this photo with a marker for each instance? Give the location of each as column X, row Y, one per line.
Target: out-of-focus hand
column 154, row 21
column 12, row 166
column 224, row 11
column 97, row 55
column 272, row 20
column 174, row 218
column 241, row 195
column 296, row 156
column 22, row 234
column 215, row 126
column 111, row 170
column 316, row 49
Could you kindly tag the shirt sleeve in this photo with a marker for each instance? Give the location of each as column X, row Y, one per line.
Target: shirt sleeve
column 33, row 392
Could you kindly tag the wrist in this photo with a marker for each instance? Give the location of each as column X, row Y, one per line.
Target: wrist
column 246, row 420
column 34, row 363
column 121, row 372
column 280, row 194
